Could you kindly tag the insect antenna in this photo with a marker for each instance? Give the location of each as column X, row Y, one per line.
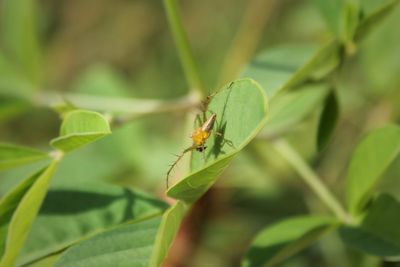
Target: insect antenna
column 179, row 157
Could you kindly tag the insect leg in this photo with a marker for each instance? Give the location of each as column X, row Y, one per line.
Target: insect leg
column 179, row 157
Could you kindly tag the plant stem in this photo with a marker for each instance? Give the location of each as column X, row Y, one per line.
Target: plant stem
column 125, row 108
column 311, row 178
column 246, row 39
column 184, row 50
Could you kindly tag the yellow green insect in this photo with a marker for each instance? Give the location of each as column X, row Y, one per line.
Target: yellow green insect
column 200, row 135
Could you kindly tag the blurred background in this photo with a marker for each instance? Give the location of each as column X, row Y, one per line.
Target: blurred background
column 124, row 48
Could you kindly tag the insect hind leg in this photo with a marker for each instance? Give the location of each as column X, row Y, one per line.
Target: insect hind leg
column 179, row 157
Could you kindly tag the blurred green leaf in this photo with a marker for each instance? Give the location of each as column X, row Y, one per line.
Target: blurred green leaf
column 380, row 60
column 341, row 16
column 73, row 212
column 19, row 35
column 371, row 157
column 287, row 65
column 126, row 245
column 169, row 226
column 328, row 120
column 80, row 127
column 241, row 110
column 282, row 240
column 373, row 12
column 291, row 107
column 11, row 107
column 379, row 232
column 18, row 209
column 12, row 156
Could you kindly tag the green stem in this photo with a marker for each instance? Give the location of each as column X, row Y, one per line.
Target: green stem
column 246, row 39
column 126, row 108
column 184, row 50
column 311, row 178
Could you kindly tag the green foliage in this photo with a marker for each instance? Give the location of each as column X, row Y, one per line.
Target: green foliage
column 79, row 128
column 80, row 221
column 378, row 233
column 280, row 241
column 286, row 66
column 169, row 226
column 241, row 110
column 133, row 246
column 328, row 120
column 18, row 209
column 73, row 212
column 370, row 159
column 12, row 156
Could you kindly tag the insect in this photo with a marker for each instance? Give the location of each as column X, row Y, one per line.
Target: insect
column 201, row 134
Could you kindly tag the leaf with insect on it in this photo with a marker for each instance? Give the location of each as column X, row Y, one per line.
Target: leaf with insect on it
column 241, row 109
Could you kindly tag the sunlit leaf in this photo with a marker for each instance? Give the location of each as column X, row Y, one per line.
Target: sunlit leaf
column 370, row 159
column 12, row 156
column 81, row 127
column 241, row 110
column 18, row 209
column 280, row 241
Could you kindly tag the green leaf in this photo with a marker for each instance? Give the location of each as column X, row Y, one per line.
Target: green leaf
column 373, row 13
column 81, row 127
column 328, row 120
column 241, row 110
column 285, row 66
column 18, row 209
column 379, row 232
column 282, row 240
column 72, row 212
column 289, row 108
column 341, row 16
column 127, row 245
column 12, row 156
column 169, row 226
column 371, row 157
column 19, row 35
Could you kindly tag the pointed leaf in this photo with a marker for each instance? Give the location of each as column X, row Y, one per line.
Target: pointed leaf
column 282, row 240
column 370, row 159
column 12, row 156
column 18, row 209
column 241, row 113
column 379, row 232
column 328, row 120
column 285, row 66
column 169, row 226
column 72, row 212
column 81, row 127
